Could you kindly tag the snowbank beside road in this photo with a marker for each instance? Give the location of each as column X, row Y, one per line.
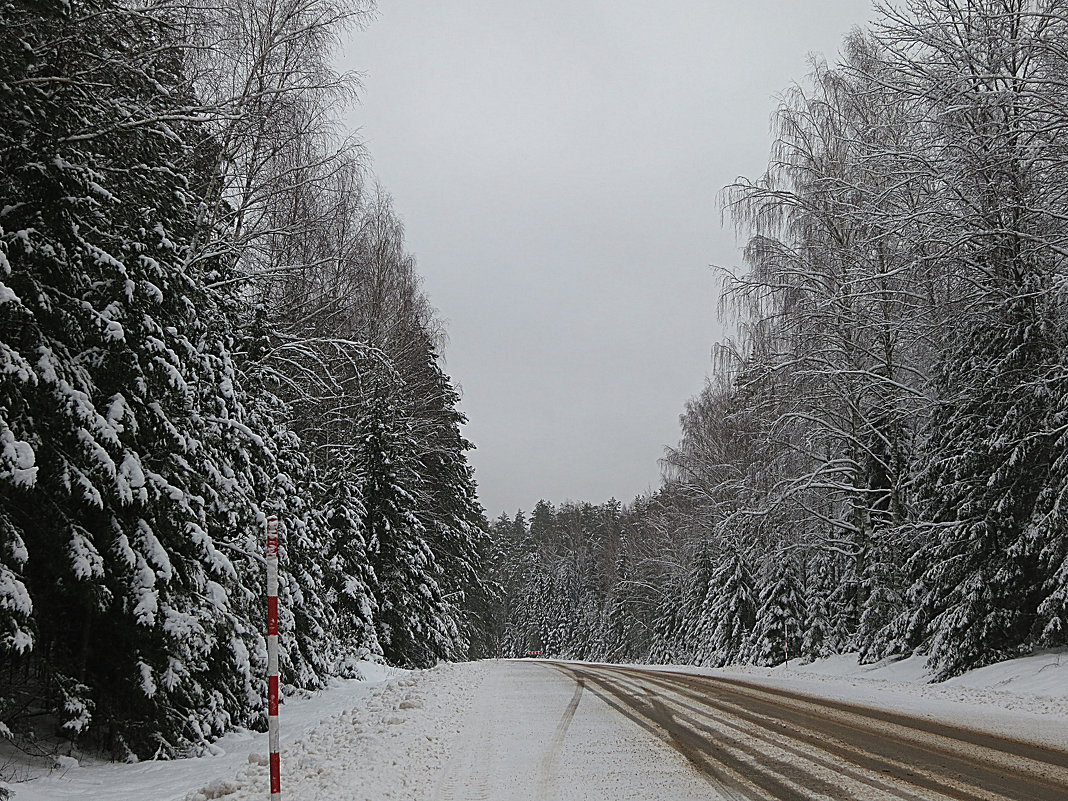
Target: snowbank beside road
column 392, row 745
column 173, row 780
column 1025, row 698
column 1042, row 674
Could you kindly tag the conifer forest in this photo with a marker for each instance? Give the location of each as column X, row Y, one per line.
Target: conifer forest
column 208, row 316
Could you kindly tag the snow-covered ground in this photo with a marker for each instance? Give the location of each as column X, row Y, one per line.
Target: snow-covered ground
column 1025, row 698
column 211, row 775
column 532, row 732
column 1044, row 674
column 503, row 730
column 393, row 744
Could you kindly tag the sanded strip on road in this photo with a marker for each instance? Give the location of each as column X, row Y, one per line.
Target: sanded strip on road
column 730, row 775
column 1008, row 767
column 767, row 733
column 842, row 731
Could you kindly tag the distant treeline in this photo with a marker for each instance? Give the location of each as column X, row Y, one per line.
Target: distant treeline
column 207, row 316
column 878, row 463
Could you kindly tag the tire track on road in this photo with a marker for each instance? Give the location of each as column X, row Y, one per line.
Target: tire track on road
column 979, row 739
column 957, row 762
column 879, row 775
column 548, row 762
column 734, row 725
column 869, row 773
column 730, row 776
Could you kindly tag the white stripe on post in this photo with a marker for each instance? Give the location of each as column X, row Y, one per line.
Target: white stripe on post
column 272, row 655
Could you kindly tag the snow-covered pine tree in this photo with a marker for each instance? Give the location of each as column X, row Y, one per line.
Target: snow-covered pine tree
column 780, row 616
column 729, row 615
column 138, row 638
column 415, row 627
column 349, row 575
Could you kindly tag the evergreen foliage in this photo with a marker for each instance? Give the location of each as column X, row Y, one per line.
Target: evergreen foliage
column 188, row 334
column 729, row 613
column 779, row 618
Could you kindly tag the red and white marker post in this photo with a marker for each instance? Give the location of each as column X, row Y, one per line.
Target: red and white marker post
column 272, row 655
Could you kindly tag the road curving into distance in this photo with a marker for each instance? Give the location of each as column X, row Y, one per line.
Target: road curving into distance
column 751, row 741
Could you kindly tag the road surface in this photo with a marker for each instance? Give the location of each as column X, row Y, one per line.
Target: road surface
column 559, row 731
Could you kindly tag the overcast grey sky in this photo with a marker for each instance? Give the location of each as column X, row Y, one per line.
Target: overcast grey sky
column 557, row 164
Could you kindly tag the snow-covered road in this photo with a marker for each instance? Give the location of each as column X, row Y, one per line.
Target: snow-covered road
column 534, row 732
column 564, row 731
column 751, row 740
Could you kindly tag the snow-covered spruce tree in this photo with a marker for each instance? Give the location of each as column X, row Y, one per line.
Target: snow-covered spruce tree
column 884, row 586
column 991, row 76
column 415, row 626
column 780, row 616
column 531, row 624
column 1052, row 624
column 309, row 364
column 568, row 626
column 667, row 646
column 534, row 603
column 685, row 625
column 977, row 577
column 268, row 460
column 729, row 613
column 511, row 554
column 17, row 478
column 819, row 635
column 1050, row 520
column 137, row 639
column 622, row 632
column 349, row 575
column 665, row 577
column 452, row 518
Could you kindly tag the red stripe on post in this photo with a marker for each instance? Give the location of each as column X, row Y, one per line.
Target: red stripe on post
column 272, row 614
column 272, row 695
column 272, row 655
column 276, row 780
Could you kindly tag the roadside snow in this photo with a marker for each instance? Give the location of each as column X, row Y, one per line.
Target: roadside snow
column 1025, row 698
column 1044, row 673
column 392, row 744
column 175, row 780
